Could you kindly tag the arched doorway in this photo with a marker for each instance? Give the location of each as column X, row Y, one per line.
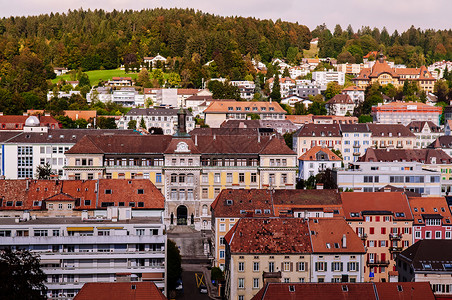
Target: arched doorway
column 182, row 214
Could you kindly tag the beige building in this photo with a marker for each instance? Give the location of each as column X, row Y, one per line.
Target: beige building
column 384, row 222
column 392, row 136
column 220, row 111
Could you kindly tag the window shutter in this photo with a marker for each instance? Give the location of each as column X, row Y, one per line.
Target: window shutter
column 348, row 266
column 326, row 267
column 409, row 230
column 342, row 267
column 332, row 266
column 383, row 256
column 316, row 266
column 291, row 267
column 367, row 243
column 282, row 266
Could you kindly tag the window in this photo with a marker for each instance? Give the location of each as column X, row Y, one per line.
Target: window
column 286, row 266
column 229, row 177
column 437, row 235
column 217, row 178
column 448, row 235
column 222, row 227
column 140, row 231
column 255, row 283
column 271, row 266
column 320, row 266
column 40, row 233
column 221, row 254
column 108, row 192
column 158, row 177
column 301, row 266
column 253, row 177
column 241, row 177
column 255, row 266
column 205, row 193
column 241, row 267
column 353, row 266
column 336, row 266
column 241, row 283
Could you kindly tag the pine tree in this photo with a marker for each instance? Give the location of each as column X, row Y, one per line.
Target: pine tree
column 143, row 123
column 275, row 95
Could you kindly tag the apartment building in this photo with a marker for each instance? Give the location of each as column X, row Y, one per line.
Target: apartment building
column 373, row 176
column 315, row 160
column 246, row 88
column 352, row 69
column 426, row 132
column 340, row 105
column 432, row 218
column 322, row 78
column 355, row 93
column 310, row 135
column 279, row 126
column 357, row 138
column 75, row 250
column 189, row 170
column 220, row 111
column 384, row 222
column 233, row 204
column 405, row 113
column 164, row 118
column 22, row 152
column 392, row 136
column 428, row 261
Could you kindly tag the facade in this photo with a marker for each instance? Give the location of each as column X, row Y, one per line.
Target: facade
column 61, row 94
column 340, row 105
column 307, row 89
column 246, row 89
column 432, row 218
column 287, row 86
column 357, row 138
column 164, row 118
column 382, row 73
column 352, row 69
column 310, row 135
column 22, row 152
column 190, row 171
column 126, row 96
column 279, row 126
column 428, row 261
column 405, row 112
column 322, row 78
column 391, row 136
column 384, row 223
column 18, row 123
column 373, row 176
column 233, row 204
column 315, row 160
column 74, row 251
column 220, row 111
column 355, row 93
column 426, row 132
column 120, row 81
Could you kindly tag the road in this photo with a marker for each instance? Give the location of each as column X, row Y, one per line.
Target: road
column 191, row 291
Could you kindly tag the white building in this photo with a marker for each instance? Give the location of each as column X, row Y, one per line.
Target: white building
column 165, row 118
column 372, row 176
column 246, row 89
column 315, row 160
column 340, row 105
column 61, row 94
column 355, row 93
column 356, row 138
column 76, row 250
column 324, row 77
column 127, row 96
column 426, row 132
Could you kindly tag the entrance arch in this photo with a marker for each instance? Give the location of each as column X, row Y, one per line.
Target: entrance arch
column 182, row 214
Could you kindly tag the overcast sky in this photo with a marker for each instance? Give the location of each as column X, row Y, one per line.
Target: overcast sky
column 394, row 14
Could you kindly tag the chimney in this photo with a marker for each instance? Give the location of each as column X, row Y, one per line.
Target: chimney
column 84, row 215
column 1, row 113
column 26, row 215
column 214, row 137
column 196, row 140
column 319, row 186
column 344, row 241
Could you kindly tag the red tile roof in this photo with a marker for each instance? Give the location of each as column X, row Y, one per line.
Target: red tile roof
column 269, row 235
column 10, row 122
column 121, row 190
column 425, row 156
column 223, row 107
column 379, row 203
column 311, row 154
column 120, row 291
column 329, row 236
column 340, row 99
column 432, row 206
column 390, row 130
column 346, row 291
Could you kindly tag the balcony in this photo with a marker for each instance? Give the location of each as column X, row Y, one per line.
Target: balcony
column 363, row 236
column 356, row 146
column 395, row 236
column 395, row 249
column 377, row 263
column 399, row 146
column 356, row 154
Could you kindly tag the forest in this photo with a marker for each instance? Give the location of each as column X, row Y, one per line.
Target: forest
column 198, row 46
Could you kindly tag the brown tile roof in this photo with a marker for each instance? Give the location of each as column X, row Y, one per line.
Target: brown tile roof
column 223, row 107
column 120, row 291
column 319, row 130
column 417, row 126
column 172, row 147
column 10, row 121
column 396, row 107
column 346, row 291
column 340, row 99
column 80, row 114
column 329, row 236
column 433, row 252
column 386, row 130
column 237, row 203
column 311, row 154
column 224, row 131
column 427, row 156
column 188, row 91
column 270, row 236
column 433, row 206
column 353, row 88
column 363, row 75
column 444, row 141
column 364, row 203
column 121, row 190
column 354, row 128
column 381, row 67
column 300, row 119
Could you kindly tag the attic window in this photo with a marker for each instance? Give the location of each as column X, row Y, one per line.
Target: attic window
column 266, row 211
column 399, row 288
column 243, row 211
column 18, row 203
column 108, row 192
column 133, row 287
column 130, row 181
column 345, row 288
column 419, row 220
column 61, row 136
column 36, row 203
column 87, row 202
column 447, row 267
column 328, row 245
column 140, row 191
column 74, row 136
column 140, row 204
column 336, row 245
column 229, row 202
column 354, row 214
column 415, row 209
column 427, row 266
column 258, row 211
column 9, row 203
column 131, row 204
column 335, row 211
column 435, row 209
column 291, row 288
column 447, row 221
column 399, row 214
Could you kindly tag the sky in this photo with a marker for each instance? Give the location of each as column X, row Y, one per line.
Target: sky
column 394, row 14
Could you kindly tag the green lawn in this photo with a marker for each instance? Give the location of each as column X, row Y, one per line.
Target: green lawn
column 95, row 76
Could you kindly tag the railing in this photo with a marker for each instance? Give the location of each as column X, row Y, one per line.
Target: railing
column 374, row 263
column 363, row 236
column 395, row 236
column 395, row 249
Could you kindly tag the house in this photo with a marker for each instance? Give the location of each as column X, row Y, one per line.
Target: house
column 384, row 222
column 60, row 94
column 154, row 60
column 279, row 126
column 21, row 123
column 426, row 132
column 120, row 291
column 373, row 176
column 81, row 114
column 340, row 105
column 391, row 136
column 356, row 139
column 120, row 81
column 293, row 99
column 287, row 86
column 340, row 291
column 428, row 261
column 432, row 218
column 382, row 73
column 220, row 111
column 405, row 112
column 60, row 71
column 246, row 88
column 355, row 93
column 317, row 159
column 350, row 69
column 322, row 78
column 310, row 135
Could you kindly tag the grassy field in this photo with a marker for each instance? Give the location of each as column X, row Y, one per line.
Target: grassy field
column 311, row 53
column 95, row 76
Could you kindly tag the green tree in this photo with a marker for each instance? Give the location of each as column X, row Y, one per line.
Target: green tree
column 22, row 276
column 173, row 80
column 132, row 124
column 174, row 264
column 288, row 138
column 142, row 123
column 44, row 171
column 365, row 119
column 143, row 78
column 326, row 177
column 332, row 89
column 106, row 123
column 286, row 72
column 275, row 94
column 83, row 80
column 441, row 90
column 317, row 108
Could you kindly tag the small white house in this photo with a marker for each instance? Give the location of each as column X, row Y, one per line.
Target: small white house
column 317, row 159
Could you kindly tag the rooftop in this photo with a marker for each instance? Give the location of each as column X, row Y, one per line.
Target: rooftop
column 430, row 207
column 427, row 156
column 429, row 256
column 120, row 291
column 241, row 107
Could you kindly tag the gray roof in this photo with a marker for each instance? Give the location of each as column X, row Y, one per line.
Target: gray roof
column 430, row 255
column 354, row 128
column 155, row 112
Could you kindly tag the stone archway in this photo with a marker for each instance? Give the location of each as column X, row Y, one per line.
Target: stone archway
column 182, row 215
